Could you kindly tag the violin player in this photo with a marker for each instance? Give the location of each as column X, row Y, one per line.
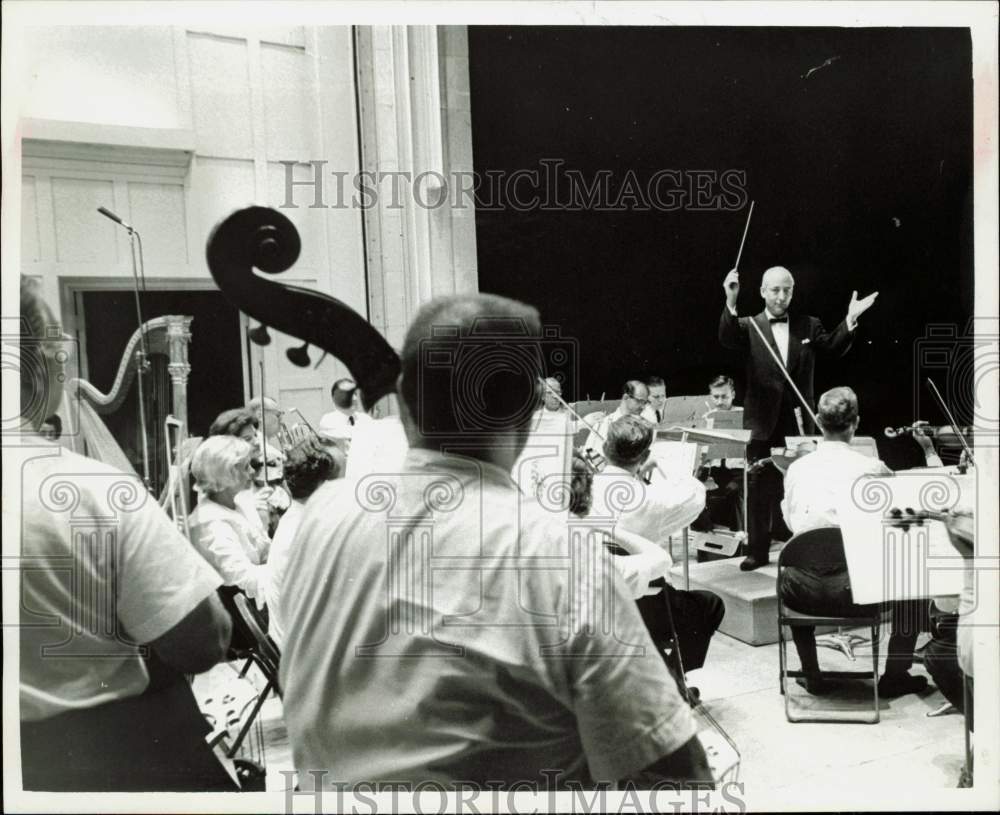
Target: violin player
column 771, row 404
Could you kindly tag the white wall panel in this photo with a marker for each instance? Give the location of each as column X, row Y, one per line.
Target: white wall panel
column 218, row 187
column 122, row 75
column 82, row 235
column 157, row 211
column 289, row 104
column 220, row 88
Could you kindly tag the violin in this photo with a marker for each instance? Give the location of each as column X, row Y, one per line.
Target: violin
column 960, row 523
column 262, row 238
column 946, row 436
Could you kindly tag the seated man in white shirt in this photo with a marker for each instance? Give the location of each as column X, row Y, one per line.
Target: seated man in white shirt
column 667, row 503
column 653, row 412
column 440, row 603
column 635, row 399
column 814, row 486
column 338, row 425
column 115, row 608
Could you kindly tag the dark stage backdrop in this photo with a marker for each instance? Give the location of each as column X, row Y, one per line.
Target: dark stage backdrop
column 856, row 145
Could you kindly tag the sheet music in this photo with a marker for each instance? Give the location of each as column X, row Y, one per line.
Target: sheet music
column 546, row 456
column 888, row 563
column 675, row 456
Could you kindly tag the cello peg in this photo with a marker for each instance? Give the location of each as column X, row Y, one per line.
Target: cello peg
column 259, row 335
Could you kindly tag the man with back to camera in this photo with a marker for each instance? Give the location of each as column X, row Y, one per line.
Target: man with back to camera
column 494, row 686
column 96, row 715
column 771, row 409
column 814, row 486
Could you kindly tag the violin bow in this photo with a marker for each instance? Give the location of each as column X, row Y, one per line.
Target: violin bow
column 958, row 431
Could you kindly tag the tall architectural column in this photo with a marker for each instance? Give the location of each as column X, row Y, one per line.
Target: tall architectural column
column 417, row 154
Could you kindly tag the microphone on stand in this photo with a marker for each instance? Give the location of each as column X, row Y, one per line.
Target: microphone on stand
column 107, row 213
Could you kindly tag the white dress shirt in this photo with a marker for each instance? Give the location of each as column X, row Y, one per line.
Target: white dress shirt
column 818, row 481
column 780, row 332
column 595, row 441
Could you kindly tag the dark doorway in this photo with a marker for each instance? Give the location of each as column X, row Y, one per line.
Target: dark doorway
column 216, row 379
column 856, row 145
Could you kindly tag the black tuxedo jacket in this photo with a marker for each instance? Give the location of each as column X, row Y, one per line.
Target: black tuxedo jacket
column 765, row 383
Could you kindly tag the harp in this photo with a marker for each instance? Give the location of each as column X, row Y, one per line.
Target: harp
column 166, row 344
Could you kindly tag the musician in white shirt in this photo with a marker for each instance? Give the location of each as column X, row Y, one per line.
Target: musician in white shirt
column 635, row 399
column 662, row 504
column 653, row 412
column 814, row 485
column 338, row 425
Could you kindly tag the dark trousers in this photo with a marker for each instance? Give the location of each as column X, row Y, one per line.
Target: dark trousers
column 154, row 742
column 766, row 486
column 828, row 592
column 696, row 615
column 724, row 504
column 941, row 661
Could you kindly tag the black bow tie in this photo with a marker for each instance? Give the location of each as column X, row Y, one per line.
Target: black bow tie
column 773, row 320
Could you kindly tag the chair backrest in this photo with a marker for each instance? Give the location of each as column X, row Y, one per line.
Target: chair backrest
column 267, row 651
column 823, row 546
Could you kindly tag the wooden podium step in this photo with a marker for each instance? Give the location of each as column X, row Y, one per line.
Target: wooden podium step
column 751, row 597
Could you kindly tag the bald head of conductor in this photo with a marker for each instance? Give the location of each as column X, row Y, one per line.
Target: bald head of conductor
column 456, row 399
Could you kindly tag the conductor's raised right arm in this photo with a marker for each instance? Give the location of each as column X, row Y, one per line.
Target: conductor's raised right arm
column 732, row 333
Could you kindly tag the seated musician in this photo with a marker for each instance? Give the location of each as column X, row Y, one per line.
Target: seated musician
column 653, row 412
column 814, row 485
column 635, row 399
column 95, row 715
column 485, row 689
column 724, row 500
column 267, row 498
column 229, row 536
column 645, row 568
column 307, row 466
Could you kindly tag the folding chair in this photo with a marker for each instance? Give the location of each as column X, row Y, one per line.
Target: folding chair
column 823, row 547
column 265, row 655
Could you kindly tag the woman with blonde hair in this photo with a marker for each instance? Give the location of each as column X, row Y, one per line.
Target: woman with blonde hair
column 230, row 538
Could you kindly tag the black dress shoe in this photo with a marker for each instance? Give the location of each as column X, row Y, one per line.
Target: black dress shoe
column 750, row 563
column 816, row 685
column 892, row 686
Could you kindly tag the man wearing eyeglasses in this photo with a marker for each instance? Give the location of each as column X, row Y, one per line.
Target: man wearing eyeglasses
column 653, row 412
column 635, row 399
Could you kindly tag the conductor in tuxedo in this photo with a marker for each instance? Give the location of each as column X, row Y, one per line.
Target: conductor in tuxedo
column 771, row 409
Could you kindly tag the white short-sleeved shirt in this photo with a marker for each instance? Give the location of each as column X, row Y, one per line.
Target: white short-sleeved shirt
column 233, row 543
column 103, row 569
column 442, row 627
column 656, row 510
column 818, row 481
column 277, row 564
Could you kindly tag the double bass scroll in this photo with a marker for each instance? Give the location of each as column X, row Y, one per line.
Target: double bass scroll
column 262, row 238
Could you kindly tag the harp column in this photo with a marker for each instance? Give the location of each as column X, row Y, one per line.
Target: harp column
column 178, row 339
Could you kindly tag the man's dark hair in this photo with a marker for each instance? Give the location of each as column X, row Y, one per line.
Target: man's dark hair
column 343, row 392
column 632, row 386
column 308, row 465
column 233, row 422
column 837, row 410
column 655, row 382
column 471, row 366
column 722, row 381
column 629, row 439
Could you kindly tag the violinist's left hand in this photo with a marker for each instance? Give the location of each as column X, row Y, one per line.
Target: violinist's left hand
column 858, row 307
